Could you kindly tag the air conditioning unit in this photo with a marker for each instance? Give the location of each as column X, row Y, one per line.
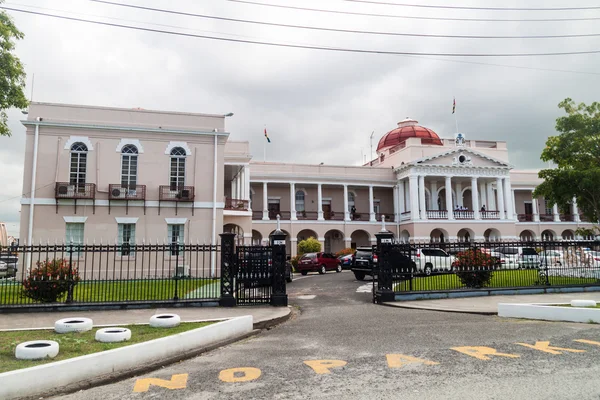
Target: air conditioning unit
column 63, row 190
column 182, row 271
column 116, row 192
column 184, row 194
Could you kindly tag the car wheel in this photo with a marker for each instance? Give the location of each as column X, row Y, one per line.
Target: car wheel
column 322, row 270
column 290, row 277
column 360, row 276
column 428, row 270
column 339, row 268
column 304, row 272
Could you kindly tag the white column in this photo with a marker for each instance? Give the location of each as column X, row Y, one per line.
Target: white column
column 500, row 195
column 575, row 211
column 555, row 213
column 238, row 180
column 508, row 198
column 534, row 209
column 434, row 196
column 371, row 205
column 475, row 197
column 491, row 199
column 293, row 202
column 346, row 212
column 265, row 202
column 401, row 198
column 483, row 194
column 448, row 189
column 233, row 188
column 396, row 203
column 414, row 197
column 422, row 204
column 514, row 203
column 246, row 182
column 459, row 196
column 320, row 202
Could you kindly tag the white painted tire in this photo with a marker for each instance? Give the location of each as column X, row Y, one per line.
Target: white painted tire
column 583, row 303
column 165, row 320
column 113, row 335
column 67, row 325
column 36, row 350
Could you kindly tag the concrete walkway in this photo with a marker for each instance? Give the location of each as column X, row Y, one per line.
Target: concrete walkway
column 263, row 316
column 489, row 304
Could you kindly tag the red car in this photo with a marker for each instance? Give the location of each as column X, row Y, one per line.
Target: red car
column 321, row 262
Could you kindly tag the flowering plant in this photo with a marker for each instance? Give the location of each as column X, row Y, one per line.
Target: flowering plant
column 474, row 268
column 50, row 280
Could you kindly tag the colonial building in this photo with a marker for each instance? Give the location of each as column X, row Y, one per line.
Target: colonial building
column 132, row 175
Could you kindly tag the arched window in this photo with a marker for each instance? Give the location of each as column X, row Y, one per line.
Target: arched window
column 129, row 166
column 350, row 201
column 300, row 201
column 78, row 165
column 177, row 177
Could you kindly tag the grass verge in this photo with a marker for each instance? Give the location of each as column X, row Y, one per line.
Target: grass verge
column 78, row 344
column 120, row 290
column 568, row 305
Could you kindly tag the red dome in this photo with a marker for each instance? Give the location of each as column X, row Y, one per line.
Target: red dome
column 408, row 129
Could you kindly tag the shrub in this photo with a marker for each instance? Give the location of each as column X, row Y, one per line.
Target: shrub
column 49, row 280
column 344, row 252
column 474, row 268
column 294, row 261
column 310, row 245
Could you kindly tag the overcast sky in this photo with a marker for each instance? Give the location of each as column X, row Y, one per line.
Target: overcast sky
column 318, row 106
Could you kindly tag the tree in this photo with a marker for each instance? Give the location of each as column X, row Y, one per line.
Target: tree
column 310, row 245
column 12, row 73
column 576, row 154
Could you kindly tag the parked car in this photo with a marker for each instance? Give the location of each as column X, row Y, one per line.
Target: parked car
column 346, row 261
column 365, row 262
column 520, row 257
column 431, row 260
column 552, row 258
column 318, row 262
column 3, row 269
column 11, row 262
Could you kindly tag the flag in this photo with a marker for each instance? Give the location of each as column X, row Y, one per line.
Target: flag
column 453, row 106
column 267, row 136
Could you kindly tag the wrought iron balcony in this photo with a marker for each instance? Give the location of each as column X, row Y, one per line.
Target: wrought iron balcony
column 127, row 192
column 71, row 191
column 176, row 193
column 237, row 205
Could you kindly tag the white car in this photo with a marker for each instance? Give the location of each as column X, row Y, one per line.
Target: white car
column 430, row 260
column 520, row 257
column 552, row 258
column 3, row 269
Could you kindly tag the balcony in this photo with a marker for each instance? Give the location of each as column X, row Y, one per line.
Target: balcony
column 464, row 215
column 126, row 193
column 490, row 214
column 525, row 217
column 437, row 214
column 76, row 191
column 177, row 194
column 546, row 218
column 237, row 205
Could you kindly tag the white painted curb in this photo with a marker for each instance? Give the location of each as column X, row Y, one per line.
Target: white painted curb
column 62, row 373
column 549, row 312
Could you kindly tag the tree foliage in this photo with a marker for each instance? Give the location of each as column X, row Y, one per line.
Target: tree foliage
column 12, row 73
column 310, row 245
column 576, row 154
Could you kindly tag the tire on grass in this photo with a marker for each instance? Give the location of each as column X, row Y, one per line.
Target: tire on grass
column 113, row 335
column 67, row 325
column 36, row 350
column 165, row 320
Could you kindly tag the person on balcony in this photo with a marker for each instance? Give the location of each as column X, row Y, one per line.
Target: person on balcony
column 353, row 212
column 483, row 208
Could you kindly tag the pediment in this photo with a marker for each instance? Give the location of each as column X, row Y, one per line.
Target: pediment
column 463, row 157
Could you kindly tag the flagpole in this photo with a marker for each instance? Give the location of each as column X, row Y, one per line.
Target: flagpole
column 456, row 121
column 265, row 153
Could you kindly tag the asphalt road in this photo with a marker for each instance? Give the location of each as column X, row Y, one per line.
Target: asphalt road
column 378, row 352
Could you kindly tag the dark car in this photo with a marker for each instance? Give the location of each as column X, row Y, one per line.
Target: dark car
column 346, row 261
column 365, row 262
column 318, row 262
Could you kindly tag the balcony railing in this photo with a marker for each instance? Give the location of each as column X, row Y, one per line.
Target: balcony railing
column 437, row 214
column 176, row 193
column 546, row 217
column 127, row 192
column 525, row 217
column 389, row 217
column 237, row 205
column 83, row 191
column 307, row 215
column 405, row 216
column 490, row 214
column 566, row 217
column 464, row 215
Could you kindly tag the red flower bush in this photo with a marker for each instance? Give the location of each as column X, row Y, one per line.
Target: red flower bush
column 50, row 280
column 345, row 252
column 474, row 268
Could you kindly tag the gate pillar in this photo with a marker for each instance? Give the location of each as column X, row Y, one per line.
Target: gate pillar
column 228, row 270
column 384, row 292
column 278, row 297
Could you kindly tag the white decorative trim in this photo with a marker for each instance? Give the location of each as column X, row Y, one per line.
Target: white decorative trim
column 183, row 145
column 134, row 142
column 83, row 139
column 123, row 220
column 133, row 203
column 176, row 221
column 75, row 220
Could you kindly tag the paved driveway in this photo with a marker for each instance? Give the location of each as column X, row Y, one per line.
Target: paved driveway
column 342, row 346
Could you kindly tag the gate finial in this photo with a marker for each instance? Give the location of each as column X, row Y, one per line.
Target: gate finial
column 278, row 222
column 383, row 229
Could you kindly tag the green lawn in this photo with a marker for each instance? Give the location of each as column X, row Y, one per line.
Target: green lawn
column 133, row 290
column 77, row 344
column 500, row 279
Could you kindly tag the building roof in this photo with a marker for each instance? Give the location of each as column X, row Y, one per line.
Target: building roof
column 408, row 129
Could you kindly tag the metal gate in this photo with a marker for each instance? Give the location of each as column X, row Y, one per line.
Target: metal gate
column 254, row 275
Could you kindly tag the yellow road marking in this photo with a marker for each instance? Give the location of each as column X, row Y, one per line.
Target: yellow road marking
column 400, row 360
column 587, row 342
column 546, row 348
column 245, row 374
column 324, row 366
column 177, row 382
column 481, row 352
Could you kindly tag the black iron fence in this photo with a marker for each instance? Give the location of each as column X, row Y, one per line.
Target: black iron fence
column 459, row 266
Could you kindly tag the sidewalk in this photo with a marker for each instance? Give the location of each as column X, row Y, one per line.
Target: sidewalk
column 489, row 304
column 263, row 316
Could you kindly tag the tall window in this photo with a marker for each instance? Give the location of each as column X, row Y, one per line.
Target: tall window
column 129, row 164
column 548, row 208
column 75, row 235
column 176, row 236
column 78, row 165
column 300, row 201
column 350, row 201
column 376, row 206
column 177, row 178
column 127, row 239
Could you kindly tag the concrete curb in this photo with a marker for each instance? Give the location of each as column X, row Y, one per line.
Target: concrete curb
column 449, row 310
column 549, row 312
column 93, row 369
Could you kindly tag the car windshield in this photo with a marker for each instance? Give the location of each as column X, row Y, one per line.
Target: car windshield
column 363, row 254
column 309, row 256
column 529, row 251
column 509, row 250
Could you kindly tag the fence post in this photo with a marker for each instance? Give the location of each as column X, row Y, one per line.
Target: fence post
column 228, row 270
column 70, row 278
column 279, row 297
column 384, row 292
